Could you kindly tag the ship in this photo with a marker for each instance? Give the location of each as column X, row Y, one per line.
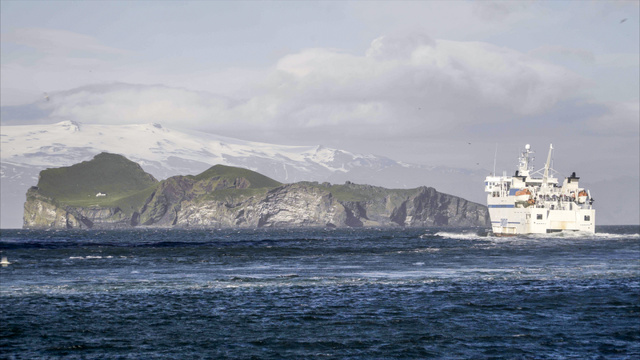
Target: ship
column 533, row 202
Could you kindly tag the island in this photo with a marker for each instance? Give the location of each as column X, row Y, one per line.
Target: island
column 113, row 192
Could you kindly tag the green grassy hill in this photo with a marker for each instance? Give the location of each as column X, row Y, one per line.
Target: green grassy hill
column 230, row 173
column 231, row 184
column 114, row 175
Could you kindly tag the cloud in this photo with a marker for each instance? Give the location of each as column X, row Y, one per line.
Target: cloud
column 414, row 80
column 54, row 41
column 547, row 51
column 37, row 60
column 400, row 87
column 492, row 11
column 127, row 103
column 621, row 119
column 395, row 47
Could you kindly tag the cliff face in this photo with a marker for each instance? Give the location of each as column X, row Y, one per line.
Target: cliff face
column 292, row 205
column 231, row 197
column 41, row 212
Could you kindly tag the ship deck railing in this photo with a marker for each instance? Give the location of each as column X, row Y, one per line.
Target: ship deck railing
column 561, row 205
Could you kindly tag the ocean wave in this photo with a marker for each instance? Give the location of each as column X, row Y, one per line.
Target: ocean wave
column 559, row 235
column 90, row 257
column 462, row 236
column 583, row 235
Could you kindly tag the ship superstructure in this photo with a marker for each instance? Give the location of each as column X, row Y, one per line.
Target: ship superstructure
column 528, row 204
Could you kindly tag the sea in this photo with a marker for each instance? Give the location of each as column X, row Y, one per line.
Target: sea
column 434, row 293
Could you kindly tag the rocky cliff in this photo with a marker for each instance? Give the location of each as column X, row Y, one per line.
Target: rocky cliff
column 232, row 197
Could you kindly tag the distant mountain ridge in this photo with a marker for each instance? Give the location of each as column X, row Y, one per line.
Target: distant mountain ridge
column 164, row 152
column 111, row 191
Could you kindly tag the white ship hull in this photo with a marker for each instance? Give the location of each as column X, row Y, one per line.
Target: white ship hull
column 514, row 221
column 547, row 207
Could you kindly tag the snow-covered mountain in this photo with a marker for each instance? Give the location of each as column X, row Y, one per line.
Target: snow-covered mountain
column 163, row 152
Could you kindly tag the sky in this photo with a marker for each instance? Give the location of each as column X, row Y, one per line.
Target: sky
column 427, row 82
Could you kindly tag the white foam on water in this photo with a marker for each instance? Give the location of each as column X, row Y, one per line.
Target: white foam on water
column 615, row 236
column 90, row 257
column 409, row 274
column 414, row 251
column 557, row 235
column 463, row 236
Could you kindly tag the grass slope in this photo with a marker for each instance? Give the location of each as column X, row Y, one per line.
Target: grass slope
column 124, row 182
column 259, row 184
column 256, row 180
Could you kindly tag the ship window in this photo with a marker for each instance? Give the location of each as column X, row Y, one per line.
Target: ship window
column 539, row 217
column 587, row 218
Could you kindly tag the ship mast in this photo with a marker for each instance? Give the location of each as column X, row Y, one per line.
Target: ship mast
column 524, row 166
column 546, row 167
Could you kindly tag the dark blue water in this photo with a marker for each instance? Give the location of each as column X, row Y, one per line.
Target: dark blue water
column 319, row 294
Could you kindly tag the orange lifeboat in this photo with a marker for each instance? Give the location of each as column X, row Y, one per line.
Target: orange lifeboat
column 582, row 197
column 523, row 195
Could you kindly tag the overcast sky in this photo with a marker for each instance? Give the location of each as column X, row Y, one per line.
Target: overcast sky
column 437, row 83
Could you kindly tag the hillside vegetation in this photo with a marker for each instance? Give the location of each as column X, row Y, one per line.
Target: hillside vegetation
column 114, row 175
column 126, row 185
column 231, row 173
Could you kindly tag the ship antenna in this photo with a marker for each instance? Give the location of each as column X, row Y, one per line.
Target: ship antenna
column 494, row 160
column 546, row 166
